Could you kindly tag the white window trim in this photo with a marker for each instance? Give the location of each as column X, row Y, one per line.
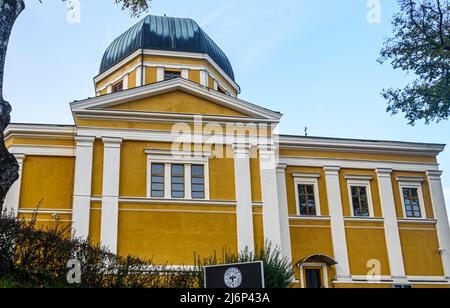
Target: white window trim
column 168, row 159
column 415, row 183
column 360, row 181
column 307, row 179
column 324, row 273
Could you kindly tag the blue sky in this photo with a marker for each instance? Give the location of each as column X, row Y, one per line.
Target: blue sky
column 314, row 61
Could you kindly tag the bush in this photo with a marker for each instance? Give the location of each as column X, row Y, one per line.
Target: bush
column 278, row 272
column 36, row 258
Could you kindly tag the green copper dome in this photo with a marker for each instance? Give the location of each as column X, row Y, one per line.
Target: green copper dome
column 165, row 33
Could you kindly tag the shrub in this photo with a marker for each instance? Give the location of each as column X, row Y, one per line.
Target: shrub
column 36, row 258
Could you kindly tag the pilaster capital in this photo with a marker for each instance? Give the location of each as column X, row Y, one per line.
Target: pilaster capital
column 384, row 173
column 112, row 142
column 281, row 168
column 434, row 175
column 84, row 141
column 331, row 170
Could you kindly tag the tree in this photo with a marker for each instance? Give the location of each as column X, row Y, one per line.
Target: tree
column 9, row 12
column 420, row 45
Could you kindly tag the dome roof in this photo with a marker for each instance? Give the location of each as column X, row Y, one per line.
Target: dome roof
column 165, row 33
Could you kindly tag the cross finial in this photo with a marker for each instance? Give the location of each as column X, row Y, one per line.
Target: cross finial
column 306, row 131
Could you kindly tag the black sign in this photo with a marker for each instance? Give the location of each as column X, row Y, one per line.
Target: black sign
column 235, row 276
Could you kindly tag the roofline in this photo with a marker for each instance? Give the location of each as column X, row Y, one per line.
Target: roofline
column 168, row 85
column 360, row 145
column 155, row 52
column 28, row 130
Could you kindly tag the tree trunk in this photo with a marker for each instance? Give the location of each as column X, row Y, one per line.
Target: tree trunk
column 9, row 169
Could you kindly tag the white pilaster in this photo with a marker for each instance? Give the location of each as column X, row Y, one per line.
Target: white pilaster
column 139, row 76
column 160, row 73
column 125, row 82
column 337, row 222
column 110, row 197
column 12, row 200
column 204, row 78
column 82, row 187
column 271, row 208
column 109, row 89
column 284, row 212
column 440, row 213
column 216, row 85
column 244, row 210
column 185, row 73
column 393, row 243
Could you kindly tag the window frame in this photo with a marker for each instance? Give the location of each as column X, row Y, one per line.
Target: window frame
column 169, row 71
column 151, row 180
column 187, row 160
column 360, row 181
column 412, row 183
column 307, row 179
column 324, row 269
column 121, row 82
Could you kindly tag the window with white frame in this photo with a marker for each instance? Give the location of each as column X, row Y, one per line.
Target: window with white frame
column 307, row 194
column 412, row 197
column 360, row 195
column 177, row 177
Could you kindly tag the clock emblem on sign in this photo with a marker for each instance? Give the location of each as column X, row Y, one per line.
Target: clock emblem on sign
column 233, row 278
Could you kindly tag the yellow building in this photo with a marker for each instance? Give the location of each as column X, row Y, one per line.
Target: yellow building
column 166, row 161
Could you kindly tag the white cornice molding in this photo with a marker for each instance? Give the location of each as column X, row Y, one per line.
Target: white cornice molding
column 151, row 52
column 306, row 175
column 410, row 179
column 34, row 131
column 360, row 146
column 378, row 165
column 41, row 150
column 358, row 177
column 169, row 86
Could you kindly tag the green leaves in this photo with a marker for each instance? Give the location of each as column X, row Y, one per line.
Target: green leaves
column 420, row 45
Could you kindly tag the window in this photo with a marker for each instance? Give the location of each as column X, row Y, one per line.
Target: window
column 198, row 182
column 184, row 176
column 313, row 278
column 360, row 195
column 117, row 87
column 178, row 181
column 411, row 194
column 360, row 201
column 221, row 90
column 412, row 202
column 157, row 186
column 307, row 194
column 306, row 199
column 171, row 75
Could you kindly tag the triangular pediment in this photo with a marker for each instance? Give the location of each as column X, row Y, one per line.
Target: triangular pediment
column 180, row 102
column 177, row 96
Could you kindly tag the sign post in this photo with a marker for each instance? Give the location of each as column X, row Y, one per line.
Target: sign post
column 235, row 276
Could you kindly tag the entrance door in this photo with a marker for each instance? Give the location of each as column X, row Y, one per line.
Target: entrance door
column 313, row 278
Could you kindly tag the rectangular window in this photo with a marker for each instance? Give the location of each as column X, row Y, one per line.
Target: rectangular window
column 307, row 201
column 117, row 87
column 221, row 90
column 198, row 182
column 177, row 181
column 360, row 201
column 412, row 202
column 171, row 75
column 157, row 180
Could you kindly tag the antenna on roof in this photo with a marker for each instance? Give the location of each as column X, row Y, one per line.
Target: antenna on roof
column 306, row 131
column 165, row 15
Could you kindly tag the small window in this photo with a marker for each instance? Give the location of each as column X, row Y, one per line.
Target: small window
column 412, row 203
column 171, row 75
column 221, row 90
column 360, row 201
column 157, row 180
column 307, row 200
column 198, row 182
column 117, row 87
column 177, row 181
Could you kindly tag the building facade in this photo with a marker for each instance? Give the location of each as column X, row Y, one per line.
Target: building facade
column 167, row 162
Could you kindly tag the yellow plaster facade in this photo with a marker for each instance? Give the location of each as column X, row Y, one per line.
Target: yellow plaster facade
column 334, row 207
